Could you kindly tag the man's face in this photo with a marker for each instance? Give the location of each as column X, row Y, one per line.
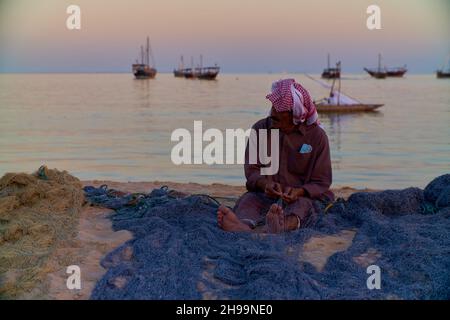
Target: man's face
column 281, row 120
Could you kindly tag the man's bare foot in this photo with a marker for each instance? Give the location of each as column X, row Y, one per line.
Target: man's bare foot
column 228, row 221
column 275, row 219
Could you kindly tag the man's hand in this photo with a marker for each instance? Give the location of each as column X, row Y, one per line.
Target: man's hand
column 292, row 194
column 273, row 190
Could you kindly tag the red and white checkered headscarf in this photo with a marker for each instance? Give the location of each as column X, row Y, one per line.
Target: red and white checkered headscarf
column 288, row 95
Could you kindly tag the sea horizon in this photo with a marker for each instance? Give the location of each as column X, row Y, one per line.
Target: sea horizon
column 221, row 73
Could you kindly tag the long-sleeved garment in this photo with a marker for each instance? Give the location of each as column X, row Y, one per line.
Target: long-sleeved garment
column 304, row 162
column 297, row 167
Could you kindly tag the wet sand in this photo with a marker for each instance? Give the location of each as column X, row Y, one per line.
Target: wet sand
column 95, row 237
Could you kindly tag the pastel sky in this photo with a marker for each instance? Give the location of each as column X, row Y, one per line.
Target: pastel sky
column 240, row 35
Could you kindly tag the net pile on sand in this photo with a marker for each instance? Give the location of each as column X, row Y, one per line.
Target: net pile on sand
column 37, row 212
column 178, row 252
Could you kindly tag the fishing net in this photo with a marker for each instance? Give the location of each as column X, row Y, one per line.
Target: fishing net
column 178, row 252
column 37, row 212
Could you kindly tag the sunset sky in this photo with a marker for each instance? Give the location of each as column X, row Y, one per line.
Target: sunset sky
column 240, row 35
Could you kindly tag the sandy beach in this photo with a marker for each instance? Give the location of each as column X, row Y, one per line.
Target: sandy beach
column 49, row 224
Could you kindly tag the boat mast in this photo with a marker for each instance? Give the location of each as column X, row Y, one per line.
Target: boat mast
column 182, row 63
column 379, row 62
column 151, row 53
column 328, row 61
column 339, row 90
column 147, row 49
column 446, row 63
column 201, row 61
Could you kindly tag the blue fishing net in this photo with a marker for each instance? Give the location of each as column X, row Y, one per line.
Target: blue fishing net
column 178, row 252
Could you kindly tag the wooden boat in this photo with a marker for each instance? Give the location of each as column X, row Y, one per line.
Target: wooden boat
column 337, row 102
column 208, row 73
column 396, row 72
column 179, row 73
column 202, row 73
column 442, row 73
column 188, row 73
column 346, row 108
column 331, row 73
column 143, row 70
column 377, row 73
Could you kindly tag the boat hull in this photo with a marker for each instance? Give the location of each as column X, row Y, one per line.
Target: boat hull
column 142, row 71
column 208, row 73
column 145, row 76
column 208, row 76
column 376, row 74
column 442, row 75
column 178, row 73
column 395, row 74
column 331, row 74
column 323, row 108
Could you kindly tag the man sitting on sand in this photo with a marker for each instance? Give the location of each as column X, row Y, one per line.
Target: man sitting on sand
column 304, row 168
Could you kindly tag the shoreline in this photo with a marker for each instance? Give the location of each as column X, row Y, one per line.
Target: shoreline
column 219, row 190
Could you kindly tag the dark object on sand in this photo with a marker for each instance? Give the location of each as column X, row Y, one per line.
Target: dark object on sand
column 178, row 252
column 143, row 70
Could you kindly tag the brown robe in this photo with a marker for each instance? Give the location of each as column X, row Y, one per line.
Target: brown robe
column 311, row 171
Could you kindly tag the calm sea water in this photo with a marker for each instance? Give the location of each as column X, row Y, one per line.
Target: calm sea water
column 110, row 126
